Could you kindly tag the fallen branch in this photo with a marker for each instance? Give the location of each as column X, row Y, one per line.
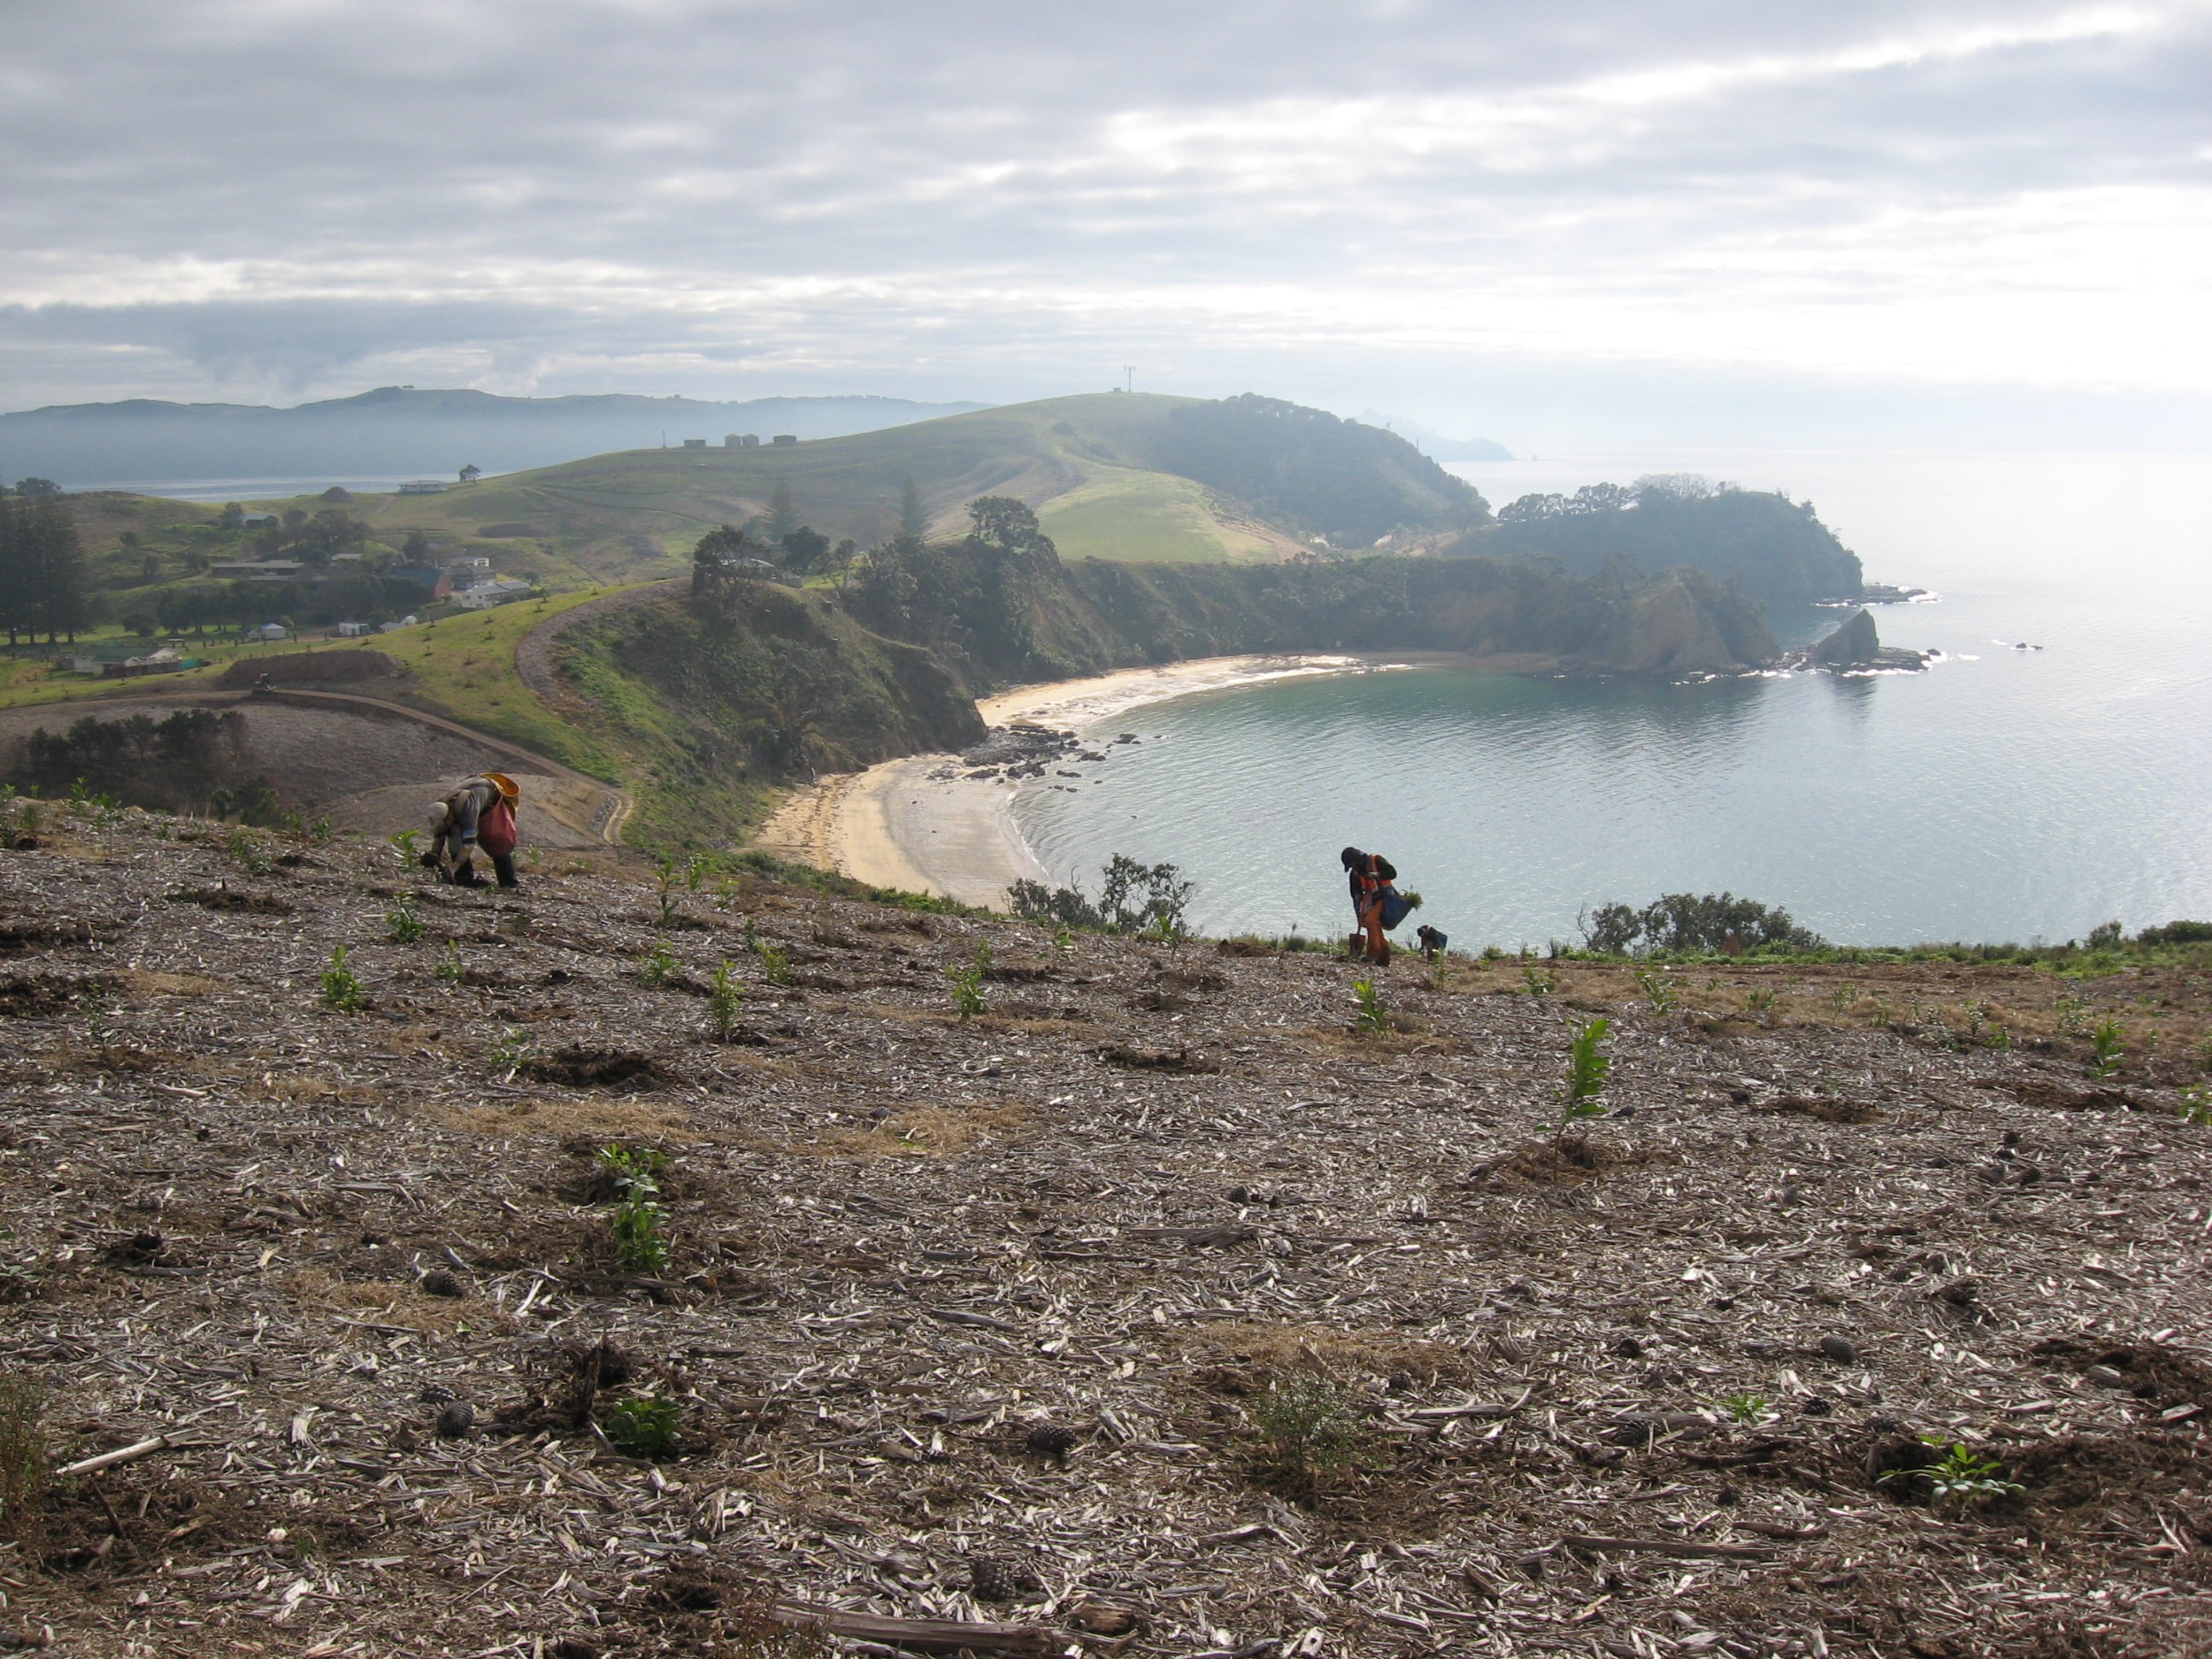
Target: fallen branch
column 1472, row 1408
column 120, row 1455
column 1673, row 1546
column 920, row 1632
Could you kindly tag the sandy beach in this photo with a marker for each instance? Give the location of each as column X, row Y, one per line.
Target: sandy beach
column 921, row 825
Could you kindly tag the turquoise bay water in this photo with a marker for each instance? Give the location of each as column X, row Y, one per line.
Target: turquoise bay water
column 2003, row 795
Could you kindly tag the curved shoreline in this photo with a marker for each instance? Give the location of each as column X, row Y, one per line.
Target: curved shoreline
column 920, row 824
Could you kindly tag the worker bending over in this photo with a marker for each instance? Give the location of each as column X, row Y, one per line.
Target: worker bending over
column 481, row 812
column 1375, row 902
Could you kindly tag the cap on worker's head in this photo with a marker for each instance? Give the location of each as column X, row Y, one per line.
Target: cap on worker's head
column 507, row 786
column 437, row 813
column 1351, row 856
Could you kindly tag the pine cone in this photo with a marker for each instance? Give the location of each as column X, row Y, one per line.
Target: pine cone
column 455, row 1419
column 999, row 1579
column 442, row 1281
column 1050, row 1440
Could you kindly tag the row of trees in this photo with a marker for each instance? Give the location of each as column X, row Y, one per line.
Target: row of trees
column 42, row 571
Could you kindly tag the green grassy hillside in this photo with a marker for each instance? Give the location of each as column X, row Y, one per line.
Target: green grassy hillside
column 1111, row 476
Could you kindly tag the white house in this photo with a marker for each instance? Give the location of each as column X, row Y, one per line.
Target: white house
column 423, row 487
column 482, row 595
column 394, row 627
column 352, row 631
column 270, row 631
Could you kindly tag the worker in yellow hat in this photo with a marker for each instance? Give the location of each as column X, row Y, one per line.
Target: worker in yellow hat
column 479, row 813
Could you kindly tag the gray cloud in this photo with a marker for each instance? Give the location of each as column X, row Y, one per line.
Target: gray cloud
column 282, row 198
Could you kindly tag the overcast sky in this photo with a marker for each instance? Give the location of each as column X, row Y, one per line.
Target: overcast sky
column 1726, row 221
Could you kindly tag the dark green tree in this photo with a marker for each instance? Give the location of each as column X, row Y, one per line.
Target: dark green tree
column 914, row 518
column 782, row 512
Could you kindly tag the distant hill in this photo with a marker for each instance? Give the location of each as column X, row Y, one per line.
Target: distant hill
column 1111, row 475
column 398, row 430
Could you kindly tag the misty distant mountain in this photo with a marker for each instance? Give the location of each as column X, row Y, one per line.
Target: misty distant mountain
column 395, row 430
column 1437, row 448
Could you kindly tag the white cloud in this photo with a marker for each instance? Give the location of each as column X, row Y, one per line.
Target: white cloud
column 974, row 197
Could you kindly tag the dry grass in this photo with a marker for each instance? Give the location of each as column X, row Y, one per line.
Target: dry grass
column 920, row 1132
column 388, row 1302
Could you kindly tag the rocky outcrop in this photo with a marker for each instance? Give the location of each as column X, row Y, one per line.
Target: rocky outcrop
column 1857, row 645
column 1681, row 622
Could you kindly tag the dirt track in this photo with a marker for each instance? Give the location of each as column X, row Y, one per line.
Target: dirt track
column 1154, row 1198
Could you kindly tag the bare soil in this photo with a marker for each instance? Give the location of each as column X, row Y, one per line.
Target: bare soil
column 1627, row 1391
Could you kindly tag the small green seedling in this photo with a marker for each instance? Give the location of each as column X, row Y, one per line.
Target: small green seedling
column 1960, row 1477
column 510, row 1050
column 1659, row 994
column 247, row 851
column 2104, row 1043
column 342, row 991
column 1748, row 1408
column 775, row 961
column 668, row 884
column 640, row 1224
column 657, row 966
column 1760, row 1004
column 1841, row 999
column 449, row 968
column 404, row 845
column 1588, row 1067
column 1373, row 1018
column 321, row 831
column 725, row 1000
column 2197, row 1106
column 1306, row 1426
column 97, row 1030
column 1541, row 981
column 1063, row 940
column 648, row 1427
column 2072, row 1017
column 968, row 984
column 405, row 925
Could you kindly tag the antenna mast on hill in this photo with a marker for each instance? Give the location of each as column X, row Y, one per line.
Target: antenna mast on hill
column 1129, row 372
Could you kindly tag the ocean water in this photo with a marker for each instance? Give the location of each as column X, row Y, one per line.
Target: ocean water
column 2004, row 795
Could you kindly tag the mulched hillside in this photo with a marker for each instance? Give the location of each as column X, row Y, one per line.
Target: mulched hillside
column 1155, row 1310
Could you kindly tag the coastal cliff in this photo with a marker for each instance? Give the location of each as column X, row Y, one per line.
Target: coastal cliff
column 1001, row 606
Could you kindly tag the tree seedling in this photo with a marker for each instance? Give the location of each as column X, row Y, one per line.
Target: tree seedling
column 1962, row 1476
column 509, row 1050
column 1373, row 1019
column 247, row 851
column 968, row 984
column 775, row 961
column 403, row 844
column 405, row 925
column 1305, row 1426
column 1588, row 1067
column 1541, row 981
column 640, row 1224
column 725, row 1000
column 667, row 884
column 449, row 968
column 2197, row 1106
column 1659, row 994
column 644, row 1426
column 342, row 991
column 1747, row 1408
column 2105, row 1043
column 657, row 966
